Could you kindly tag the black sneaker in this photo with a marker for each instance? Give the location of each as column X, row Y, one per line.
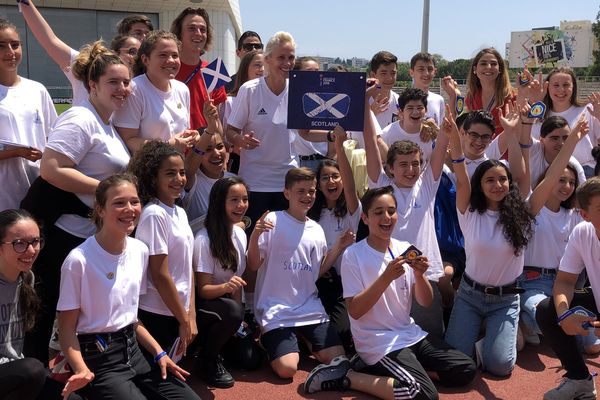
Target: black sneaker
column 330, row 376
column 215, row 374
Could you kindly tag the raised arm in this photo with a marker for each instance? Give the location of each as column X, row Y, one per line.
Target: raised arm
column 374, row 167
column 58, row 50
column 542, row 192
column 463, row 184
column 345, row 170
column 509, row 118
column 438, row 155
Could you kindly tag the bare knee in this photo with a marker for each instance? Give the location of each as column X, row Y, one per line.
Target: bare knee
column 286, row 366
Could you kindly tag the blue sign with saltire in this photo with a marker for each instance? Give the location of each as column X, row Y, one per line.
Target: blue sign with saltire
column 322, row 100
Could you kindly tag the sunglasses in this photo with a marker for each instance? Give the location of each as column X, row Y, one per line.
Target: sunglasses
column 21, row 246
column 252, row 46
column 132, row 51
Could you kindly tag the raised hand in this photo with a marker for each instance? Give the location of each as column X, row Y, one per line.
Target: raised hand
column 509, row 116
column 262, row 225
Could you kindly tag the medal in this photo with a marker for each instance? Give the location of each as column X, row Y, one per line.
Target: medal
column 523, row 80
column 460, row 104
column 110, row 275
column 538, row 109
column 179, row 105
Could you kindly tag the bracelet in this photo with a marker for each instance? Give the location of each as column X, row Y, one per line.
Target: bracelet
column 458, row 160
column 564, row 316
column 159, row 356
column 525, row 146
column 198, row 151
column 329, row 138
column 201, row 130
column 526, row 123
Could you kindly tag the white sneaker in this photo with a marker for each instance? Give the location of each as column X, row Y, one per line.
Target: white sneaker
column 531, row 337
column 330, row 376
column 520, row 339
column 571, row 389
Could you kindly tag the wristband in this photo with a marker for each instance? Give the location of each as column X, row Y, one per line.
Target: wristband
column 525, row 146
column 329, row 138
column 526, row 123
column 458, row 160
column 198, row 151
column 159, row 356
column 201, row 130
column 564, row 316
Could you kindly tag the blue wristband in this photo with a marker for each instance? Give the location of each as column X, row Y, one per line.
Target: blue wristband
column 159, row 356
column 459, row 160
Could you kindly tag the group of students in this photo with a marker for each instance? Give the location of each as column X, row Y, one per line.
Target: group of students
column 245, row 229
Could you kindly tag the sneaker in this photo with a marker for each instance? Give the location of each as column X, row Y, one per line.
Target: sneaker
column 531, row 337
column 357, row 364
column 580, row 389
column 520, row 339
column 330, row 376
column 215, row 374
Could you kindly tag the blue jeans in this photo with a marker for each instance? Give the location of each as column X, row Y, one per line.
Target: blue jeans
column 501, row 313
column 536, row 290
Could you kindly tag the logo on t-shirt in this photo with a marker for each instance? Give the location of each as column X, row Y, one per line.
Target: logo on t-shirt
column 416, row 205
column 394, row 118
column 262, row 111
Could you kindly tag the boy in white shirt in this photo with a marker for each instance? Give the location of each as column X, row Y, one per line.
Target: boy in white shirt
column 395, row 357
column 289, row 251
column 422, row 70
column 384, row 101
column 559, row 325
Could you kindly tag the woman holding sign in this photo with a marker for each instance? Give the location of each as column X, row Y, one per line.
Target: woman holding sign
column 260, row 111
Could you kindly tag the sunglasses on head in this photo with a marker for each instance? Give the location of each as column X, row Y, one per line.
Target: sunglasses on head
column 252, row 46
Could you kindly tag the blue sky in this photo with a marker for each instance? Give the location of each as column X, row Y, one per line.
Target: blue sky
column 458, row 29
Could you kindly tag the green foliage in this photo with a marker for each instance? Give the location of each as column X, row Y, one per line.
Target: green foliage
column 594, row 69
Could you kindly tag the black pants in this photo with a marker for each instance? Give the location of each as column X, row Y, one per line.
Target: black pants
column 259, row 202
column 218, row 321
column 565, row 346
column 47, row 276
column 163, row 328
column 122, row 372
column 331, row 295
column 408, row 367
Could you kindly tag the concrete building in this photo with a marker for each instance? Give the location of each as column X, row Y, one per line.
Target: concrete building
column 78, row 22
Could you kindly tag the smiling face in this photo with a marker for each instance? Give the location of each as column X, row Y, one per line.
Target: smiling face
column 11, row 51
column 412, row 116
column 386, row 75
column 423, row 73
column 487, row 68
column 406, row 169
column 214, row 159
column 256, row 69
column 554, row 141
column 281, row 60
column 121, row 210
column 566, row 185
column 330, row 184
column 560, row 90
column 495, row 186
column 13, row 263
column 194, row 34
column 301, row 196
column 112, row 89
column 476, row 140
column 170, row 180
column 162, row 64
column 381, row 218
column 128, row 51
column 236, row 203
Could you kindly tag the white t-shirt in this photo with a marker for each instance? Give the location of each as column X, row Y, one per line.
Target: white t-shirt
column 387, row 326
column 166, row 231
column 490, row 257
column 583, row 150
column 538, row 164
column 551, row 232
column 303, row 147
column 334, row 226
column 416, row 222
column 256, row 108
column 80, row 93
column 286, row 294
column 390, row 115
column 394, row 132
column 104, row 287
column 26, row 116
column 157, row 114
column 436, row 107
column 205, row 262
column 583, row 251
column 97, row 151
column 195, row 201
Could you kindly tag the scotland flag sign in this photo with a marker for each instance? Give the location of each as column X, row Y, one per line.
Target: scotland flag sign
column 322, row 100
column 215, row 75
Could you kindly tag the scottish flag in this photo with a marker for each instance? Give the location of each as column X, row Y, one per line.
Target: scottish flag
column 326, row 105
column 215, row 75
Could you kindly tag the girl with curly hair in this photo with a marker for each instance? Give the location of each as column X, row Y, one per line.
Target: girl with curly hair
column 496, row 224
column 167, row 309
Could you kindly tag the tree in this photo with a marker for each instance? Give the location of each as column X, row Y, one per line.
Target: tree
column 594, row 69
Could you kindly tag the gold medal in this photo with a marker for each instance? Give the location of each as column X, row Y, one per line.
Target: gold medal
column 179, row 105
column 412, row 255
column 110, row 275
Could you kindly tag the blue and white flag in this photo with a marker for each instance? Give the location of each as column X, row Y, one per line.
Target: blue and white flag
column 326, row 105
column 215, row 75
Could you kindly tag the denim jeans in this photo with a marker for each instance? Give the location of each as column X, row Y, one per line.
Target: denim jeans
column 501, row 313
column 536, row 290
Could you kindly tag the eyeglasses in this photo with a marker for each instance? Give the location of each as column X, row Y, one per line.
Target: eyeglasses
column 474, row 136
column 21, row 245
column 132, row 51
column 252, row 46
column 333, row 177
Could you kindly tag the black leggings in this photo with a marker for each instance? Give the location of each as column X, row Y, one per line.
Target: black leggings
column 47, row 276
column 565, row 346
column 218, row 321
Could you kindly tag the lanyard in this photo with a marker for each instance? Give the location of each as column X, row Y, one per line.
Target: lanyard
column 194, row 72
column 491, row 103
